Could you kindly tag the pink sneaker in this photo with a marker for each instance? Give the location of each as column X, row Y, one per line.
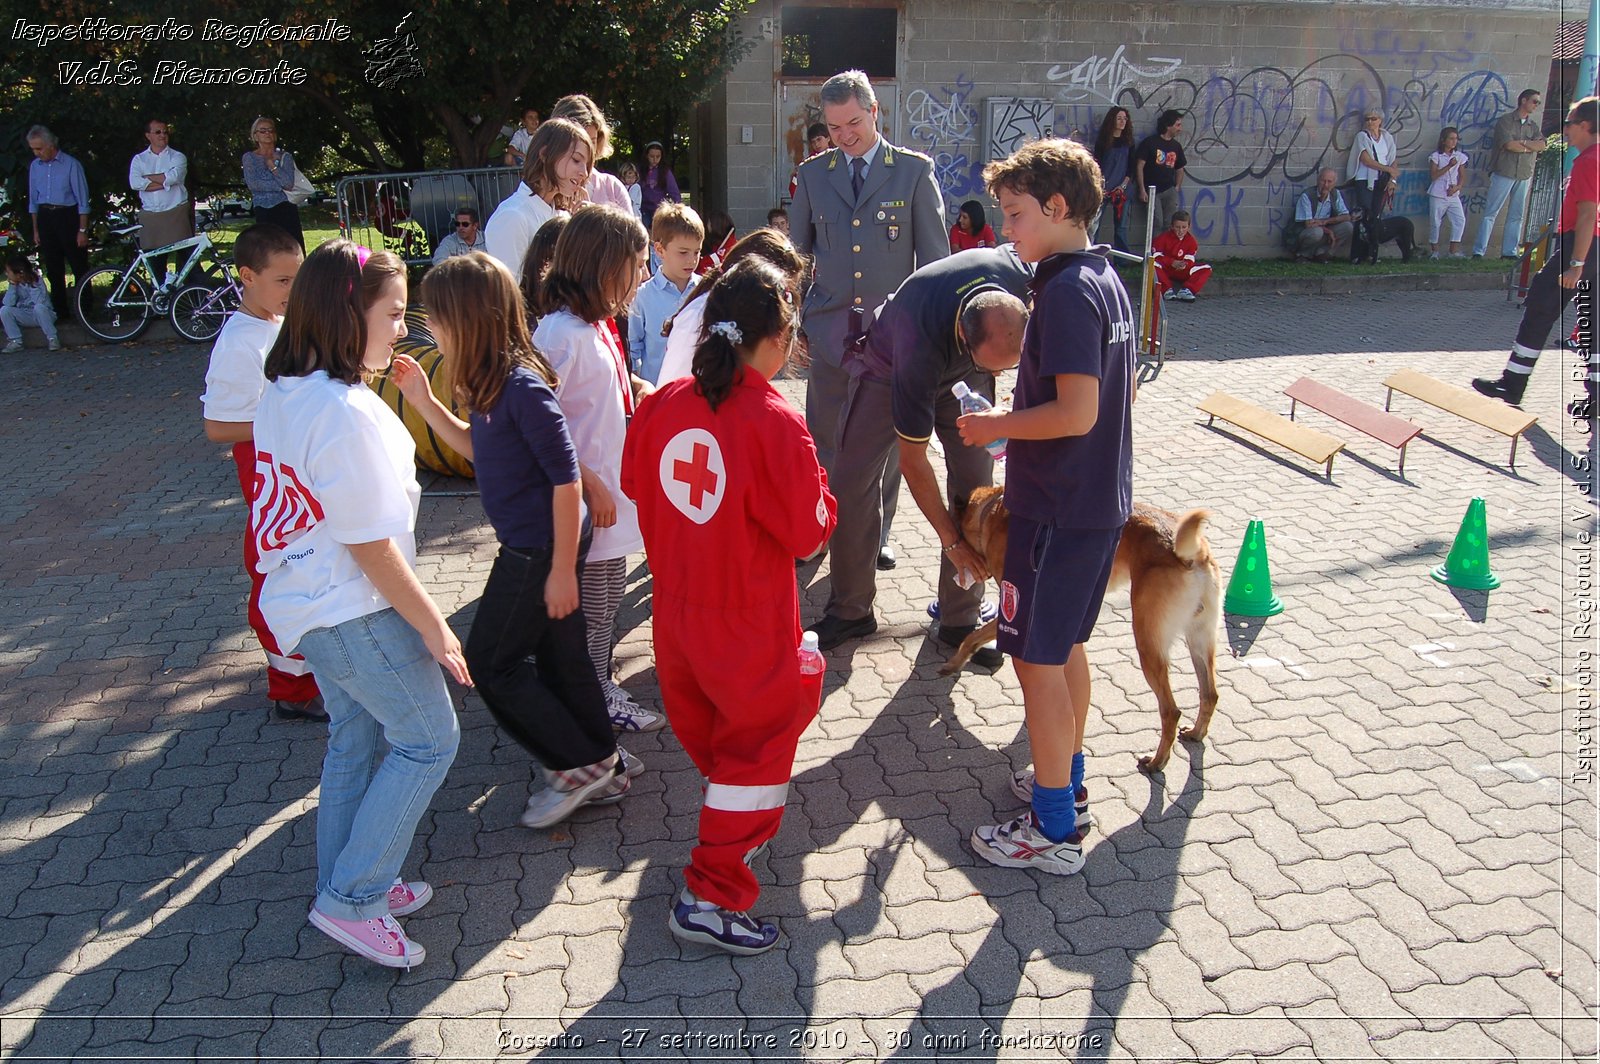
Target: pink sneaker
column 379, row 939
column 406, row 898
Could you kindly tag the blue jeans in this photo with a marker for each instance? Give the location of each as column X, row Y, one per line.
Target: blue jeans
column 377, row 677
column 1501, row 189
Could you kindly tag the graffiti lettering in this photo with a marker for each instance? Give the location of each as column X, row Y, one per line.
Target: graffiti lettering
column 936, row 120
column 1107, row 78
column 1472, row 105
column 1015, row 121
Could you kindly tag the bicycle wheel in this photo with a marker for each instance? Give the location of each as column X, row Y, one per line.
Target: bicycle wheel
column 122, row 320
column 198, row 311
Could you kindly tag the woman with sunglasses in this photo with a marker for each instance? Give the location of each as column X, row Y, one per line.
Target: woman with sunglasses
column 1372, row 172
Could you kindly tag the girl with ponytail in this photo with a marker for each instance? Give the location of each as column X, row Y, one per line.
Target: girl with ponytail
column 729, row 493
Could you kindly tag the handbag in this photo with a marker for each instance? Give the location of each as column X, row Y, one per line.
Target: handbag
column 302, row 190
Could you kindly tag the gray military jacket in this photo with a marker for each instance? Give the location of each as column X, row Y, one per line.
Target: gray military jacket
column 862, row 248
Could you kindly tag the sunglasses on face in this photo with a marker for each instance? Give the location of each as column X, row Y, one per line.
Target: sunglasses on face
column 464, row 225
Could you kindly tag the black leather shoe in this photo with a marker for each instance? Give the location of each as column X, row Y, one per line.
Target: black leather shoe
column 831, row 631
column 886, row 559
column 987, row 656
column 1497, row 389
column 311, row 710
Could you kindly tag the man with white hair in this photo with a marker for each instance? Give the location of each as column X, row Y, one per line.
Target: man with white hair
column 1322, row 228
column 868, row 213
column 58, row 200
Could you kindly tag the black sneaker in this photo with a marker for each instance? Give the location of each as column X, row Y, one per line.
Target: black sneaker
column 311, row 709
column 987, row 656
column 694, row 920
column 1496, row 388
column 831, row 631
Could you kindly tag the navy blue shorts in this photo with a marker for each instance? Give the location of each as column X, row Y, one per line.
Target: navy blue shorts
column 1050, row 593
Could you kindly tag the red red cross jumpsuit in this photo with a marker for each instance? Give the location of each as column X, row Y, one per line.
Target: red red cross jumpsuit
column 727, row 501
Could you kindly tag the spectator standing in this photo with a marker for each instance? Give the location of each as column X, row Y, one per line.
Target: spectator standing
column 1113, row 150
column 269, row 174
column 1160, row 162
column 160, row 175
column 1447, row 170
column 1515, row 152
column 629, row 175
column 658, row 185
column 1372, row 173
column 58, row 200
column 778, row 218
column 817, row 142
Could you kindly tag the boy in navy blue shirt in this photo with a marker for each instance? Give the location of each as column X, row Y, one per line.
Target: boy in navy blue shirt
column 1069, row 485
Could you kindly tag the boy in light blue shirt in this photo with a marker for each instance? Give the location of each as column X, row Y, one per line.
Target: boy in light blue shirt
column 676, row 233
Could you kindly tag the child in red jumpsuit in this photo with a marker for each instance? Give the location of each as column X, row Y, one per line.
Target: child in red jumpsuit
column 1177, row 273
column 729, row 493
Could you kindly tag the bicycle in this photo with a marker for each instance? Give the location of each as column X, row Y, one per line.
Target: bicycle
column 199, row 310
column 116, row 303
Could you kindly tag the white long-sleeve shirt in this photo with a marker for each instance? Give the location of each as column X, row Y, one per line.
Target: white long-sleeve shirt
column 171, row 163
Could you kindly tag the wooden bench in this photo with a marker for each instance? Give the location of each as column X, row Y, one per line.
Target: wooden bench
column 1317, row 446
column 1363, row 417
column 1490, row 413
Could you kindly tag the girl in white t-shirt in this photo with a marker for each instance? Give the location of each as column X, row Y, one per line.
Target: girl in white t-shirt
column 560, row 156
column 335, row 526
column 596, row 271
column 1447, row 172
column 683, row 328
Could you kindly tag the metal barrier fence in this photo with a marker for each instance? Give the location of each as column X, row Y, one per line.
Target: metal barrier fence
column 1544, row 195
column 409, row 213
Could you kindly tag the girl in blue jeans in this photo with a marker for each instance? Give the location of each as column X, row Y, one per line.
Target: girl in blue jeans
column 335, row 523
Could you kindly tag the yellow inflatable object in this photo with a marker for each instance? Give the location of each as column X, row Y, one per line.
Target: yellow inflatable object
column 432, row 453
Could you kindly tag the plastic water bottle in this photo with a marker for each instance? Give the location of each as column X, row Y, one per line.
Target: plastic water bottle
column 973, row 403
column 812, row 663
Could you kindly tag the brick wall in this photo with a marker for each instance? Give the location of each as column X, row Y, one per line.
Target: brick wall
column 1271, row 92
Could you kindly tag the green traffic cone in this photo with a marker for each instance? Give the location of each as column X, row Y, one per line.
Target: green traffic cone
column 1468, row 564
column 1250, row 586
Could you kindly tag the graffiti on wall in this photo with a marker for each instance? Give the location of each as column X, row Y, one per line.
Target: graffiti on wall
column 1255, row 138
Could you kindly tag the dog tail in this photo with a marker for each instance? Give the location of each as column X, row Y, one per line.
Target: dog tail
column 1189, row 540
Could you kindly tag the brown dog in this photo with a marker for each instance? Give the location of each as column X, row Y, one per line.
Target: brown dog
column 1175, row 589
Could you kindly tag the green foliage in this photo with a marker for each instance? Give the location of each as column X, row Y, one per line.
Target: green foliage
column 645, row 61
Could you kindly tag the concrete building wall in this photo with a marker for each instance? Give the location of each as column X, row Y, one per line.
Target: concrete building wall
column 1271, row 91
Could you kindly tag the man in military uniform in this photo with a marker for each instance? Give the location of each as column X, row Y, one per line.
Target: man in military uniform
column 868, row 213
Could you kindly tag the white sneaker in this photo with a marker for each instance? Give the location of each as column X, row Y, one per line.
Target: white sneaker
column 1433, row 256
column 1186, row 295
column 11, row 348
column 551, row 805
column 621, row 782
column 628, row 716
column 55, row 343
column 1020, row 844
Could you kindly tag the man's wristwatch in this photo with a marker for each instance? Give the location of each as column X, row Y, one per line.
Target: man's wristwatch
column 1572, row 263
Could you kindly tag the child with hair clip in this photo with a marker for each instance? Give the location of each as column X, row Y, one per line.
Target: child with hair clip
column 26, row 302
column 594, row 275
column 335, row 525
column 682, row 330
column 1447, row 172
column 729, row 491
column 527, row 646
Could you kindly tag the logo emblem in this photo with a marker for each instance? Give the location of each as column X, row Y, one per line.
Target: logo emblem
column 894, row 232
column 284, row 508
column 1008, row 601
column 693, row 475
column 822, row 508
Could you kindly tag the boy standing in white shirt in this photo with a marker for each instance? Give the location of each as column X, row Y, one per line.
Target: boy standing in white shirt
column 268, row 259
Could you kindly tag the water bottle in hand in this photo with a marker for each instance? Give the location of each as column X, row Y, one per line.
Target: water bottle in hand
column 812, row 663
column 973, row 403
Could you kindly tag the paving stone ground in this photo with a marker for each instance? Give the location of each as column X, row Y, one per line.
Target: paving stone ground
column 1384, row 851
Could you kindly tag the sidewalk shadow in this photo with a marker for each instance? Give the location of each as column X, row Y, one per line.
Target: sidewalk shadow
column 917, row 765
